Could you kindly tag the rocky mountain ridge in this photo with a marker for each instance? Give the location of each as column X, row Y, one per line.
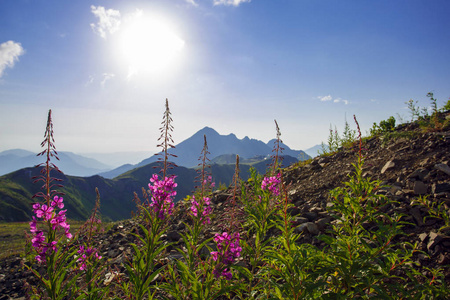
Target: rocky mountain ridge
column 187, row 151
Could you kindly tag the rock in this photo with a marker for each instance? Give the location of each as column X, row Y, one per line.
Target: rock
column 312, row 228
column 173, row 236
column 419, row 174
column 300, row 220
column 109, row 277
column 435, row 239
column 443, row 259
column 323, row 223
column 389, row 165
column 420, row 188
column 311, row 216
column 437, row 188
column 444, row 168
column 415, row 212
column 423, row 236
column 394, row 189
column 300, row 229
column 293, row 211
column 323, row 160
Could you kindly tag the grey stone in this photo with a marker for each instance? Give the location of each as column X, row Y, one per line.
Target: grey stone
column 423, row 236
column 415, row 212
column 420, row 188
column 444, row 168
column 324, row 222
column 311, row 216
column 390, row 164
column 293, row 211
column 323, row 160
column 395, row 188
column 173, row 235
column 435, row 239
column 300, row 229
column 312, row 228
column 301, row 220
column 440, row 188
column 419, row 174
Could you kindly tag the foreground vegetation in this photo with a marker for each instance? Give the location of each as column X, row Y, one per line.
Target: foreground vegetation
column 13, row 236
column 255, row 256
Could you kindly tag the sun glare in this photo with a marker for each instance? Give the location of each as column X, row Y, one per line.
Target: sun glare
column 149, row 45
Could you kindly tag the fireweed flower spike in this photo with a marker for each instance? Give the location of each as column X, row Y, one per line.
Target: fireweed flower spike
column 204, row 208
column 228, row 249
column 56, row 220
column 85, row 254
column 162, row 192
column 272, row 184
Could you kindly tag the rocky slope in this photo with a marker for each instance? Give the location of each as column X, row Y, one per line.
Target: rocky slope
column 413, row 163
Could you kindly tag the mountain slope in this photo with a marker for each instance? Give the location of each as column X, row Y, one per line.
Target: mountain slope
column 16, row 189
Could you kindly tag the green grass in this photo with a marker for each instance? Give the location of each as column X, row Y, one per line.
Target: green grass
column 13, row 236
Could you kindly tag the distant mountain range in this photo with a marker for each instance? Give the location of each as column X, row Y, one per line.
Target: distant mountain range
column 116, row 187
column 315, row 150
column 188, row 151
column 70, row 163
column 117, row 159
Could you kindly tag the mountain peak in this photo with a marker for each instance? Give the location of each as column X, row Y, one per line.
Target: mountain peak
column 207, row 130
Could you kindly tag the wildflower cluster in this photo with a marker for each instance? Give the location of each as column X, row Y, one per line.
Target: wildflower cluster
column 202, row 209
column 85, row 255
column 56, row 219
column 162, row 192
column 229, row 249
column 272, row 184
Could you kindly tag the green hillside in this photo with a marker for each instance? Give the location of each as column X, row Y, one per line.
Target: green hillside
column 17, row 189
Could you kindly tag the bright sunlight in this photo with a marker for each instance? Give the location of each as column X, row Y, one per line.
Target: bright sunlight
column 149, row 44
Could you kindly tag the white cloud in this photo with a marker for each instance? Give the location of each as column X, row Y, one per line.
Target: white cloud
column 230, row 2
column 106, row 77
column 326, row 98
column 90, row 80
column 335, row 100
column 9, row 54
column 109, row 20
column 339, row 100
column 192, row 2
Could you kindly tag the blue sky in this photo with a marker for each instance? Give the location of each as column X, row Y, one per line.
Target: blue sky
column 232, row 65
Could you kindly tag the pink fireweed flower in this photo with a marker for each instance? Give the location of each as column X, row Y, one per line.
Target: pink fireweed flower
column 43, row 211
column 57, row 201
column 48, row 247
column 85, row 255
column 57, row 221
column 229, row 249
column 204, row 207
column 272, row 184
column 209, row 181
column 162, row 192
column 38, row 240
column 33, row 225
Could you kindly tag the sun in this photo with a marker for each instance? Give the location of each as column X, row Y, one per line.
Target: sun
column 149, row 44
